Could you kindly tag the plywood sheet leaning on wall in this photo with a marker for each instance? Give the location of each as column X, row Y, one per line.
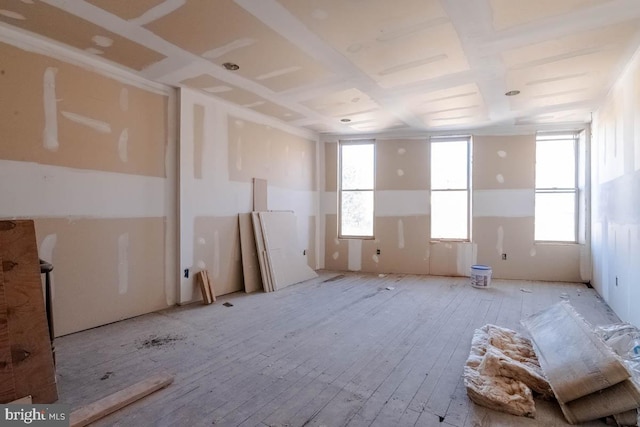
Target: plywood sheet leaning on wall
column 32, row 361
column 288, row 264
column 265, row 268
column 250, row 263
column 575, row 361
column 208, row 294
column 7, row 385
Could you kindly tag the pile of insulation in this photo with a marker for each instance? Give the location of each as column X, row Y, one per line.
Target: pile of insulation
column 503, row 372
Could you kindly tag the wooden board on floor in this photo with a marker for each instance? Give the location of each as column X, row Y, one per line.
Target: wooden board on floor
column 265, row 268
column 118, row 400
column 250, row 263
column 208, row 294
column 7, row 385
column 32, row 360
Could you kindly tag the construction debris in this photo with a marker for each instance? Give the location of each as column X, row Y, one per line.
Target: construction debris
column 502, row 370
column 589, row 380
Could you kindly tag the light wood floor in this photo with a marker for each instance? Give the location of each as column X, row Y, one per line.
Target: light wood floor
column 343, row 349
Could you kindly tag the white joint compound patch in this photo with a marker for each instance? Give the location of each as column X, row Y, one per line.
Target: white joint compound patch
column 12, row 15
column 201, row 265
column 102, row 41
column 335, row 255
column 216, row 254
column 532, row 252
column 50, row 133
column 123, row 263
column 400, row 234
column 500, row 178
column 502, row 153
column 336, row 241
column 158, row 11
column 202, row 241
column 97, row 125
column 375, row 258
column 124, row 99
column 239, row 154
column 401, row 151
column 229, row 47
column 400, row 172
column 500, row 241
column 123, row 145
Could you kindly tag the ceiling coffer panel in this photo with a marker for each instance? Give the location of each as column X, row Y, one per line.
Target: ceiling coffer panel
column 221, row 31
column 343, row 103
column 510, row 13
column 409, row 42
column 567, row 70
column 49, row 21
column 126, row 9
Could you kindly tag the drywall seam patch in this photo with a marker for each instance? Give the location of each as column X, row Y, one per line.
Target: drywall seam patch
column 50, row 134
column 97, row 125
column 216, row 254
column 123, row 263
column 158, row 11
column 400, row 234
column 124, row 99
column 500, row 241
column 229, row 47
column 355, row 255
column 102, row 41
column 123, row 145
column 11, row 14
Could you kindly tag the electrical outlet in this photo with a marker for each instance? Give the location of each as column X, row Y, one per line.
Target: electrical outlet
column 616, row 280
column 304, row 252
column 186, row 273
column 377, row 251
column 504, row 257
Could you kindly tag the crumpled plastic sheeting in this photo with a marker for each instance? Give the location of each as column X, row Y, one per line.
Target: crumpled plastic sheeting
column 501, row 371
column 624, row 340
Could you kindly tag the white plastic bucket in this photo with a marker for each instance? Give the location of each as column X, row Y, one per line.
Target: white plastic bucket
column 480, row 276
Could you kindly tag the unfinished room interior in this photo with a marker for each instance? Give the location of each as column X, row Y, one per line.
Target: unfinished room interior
column 321, row 212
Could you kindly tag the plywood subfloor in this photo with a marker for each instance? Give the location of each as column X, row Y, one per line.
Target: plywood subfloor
column 341, row 349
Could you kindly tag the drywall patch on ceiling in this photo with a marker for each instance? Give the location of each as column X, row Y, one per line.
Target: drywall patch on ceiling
column 12, row 15
column 200, row 28
column 50, row 134
column 508, row 14
column 78, row 32
column 102, row 41
column 94, row 51
column 502, row 154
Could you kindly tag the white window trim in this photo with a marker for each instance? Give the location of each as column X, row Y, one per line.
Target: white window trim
column 441, row 139
column 557, row 190
column 340, row 190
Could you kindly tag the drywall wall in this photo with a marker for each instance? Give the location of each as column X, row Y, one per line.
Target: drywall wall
column 615, row 224
column 222, row 148
column 88, row 152
column 502, row 216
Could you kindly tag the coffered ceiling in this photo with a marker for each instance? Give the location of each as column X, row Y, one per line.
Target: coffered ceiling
column 362, row 66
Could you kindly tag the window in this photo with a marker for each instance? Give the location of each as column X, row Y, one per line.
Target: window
column 357, row 178
column 450, row 185
column 556, row 187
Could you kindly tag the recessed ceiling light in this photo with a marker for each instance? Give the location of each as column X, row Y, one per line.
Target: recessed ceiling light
column 231, row 66
column 513, row 93
column 345, row 120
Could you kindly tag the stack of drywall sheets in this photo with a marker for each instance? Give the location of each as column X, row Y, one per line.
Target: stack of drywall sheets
column 589, row 380
column 282, row 263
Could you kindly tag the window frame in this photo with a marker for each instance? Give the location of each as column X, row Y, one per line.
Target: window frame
column 561, row 136
column 469, row 158
column 342, row 143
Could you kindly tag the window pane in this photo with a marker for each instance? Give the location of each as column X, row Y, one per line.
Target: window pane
column 357, row 166
column 449, row 165
column 555, row 217
column 449, row 214
column 356, row 213
column 555, row 164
